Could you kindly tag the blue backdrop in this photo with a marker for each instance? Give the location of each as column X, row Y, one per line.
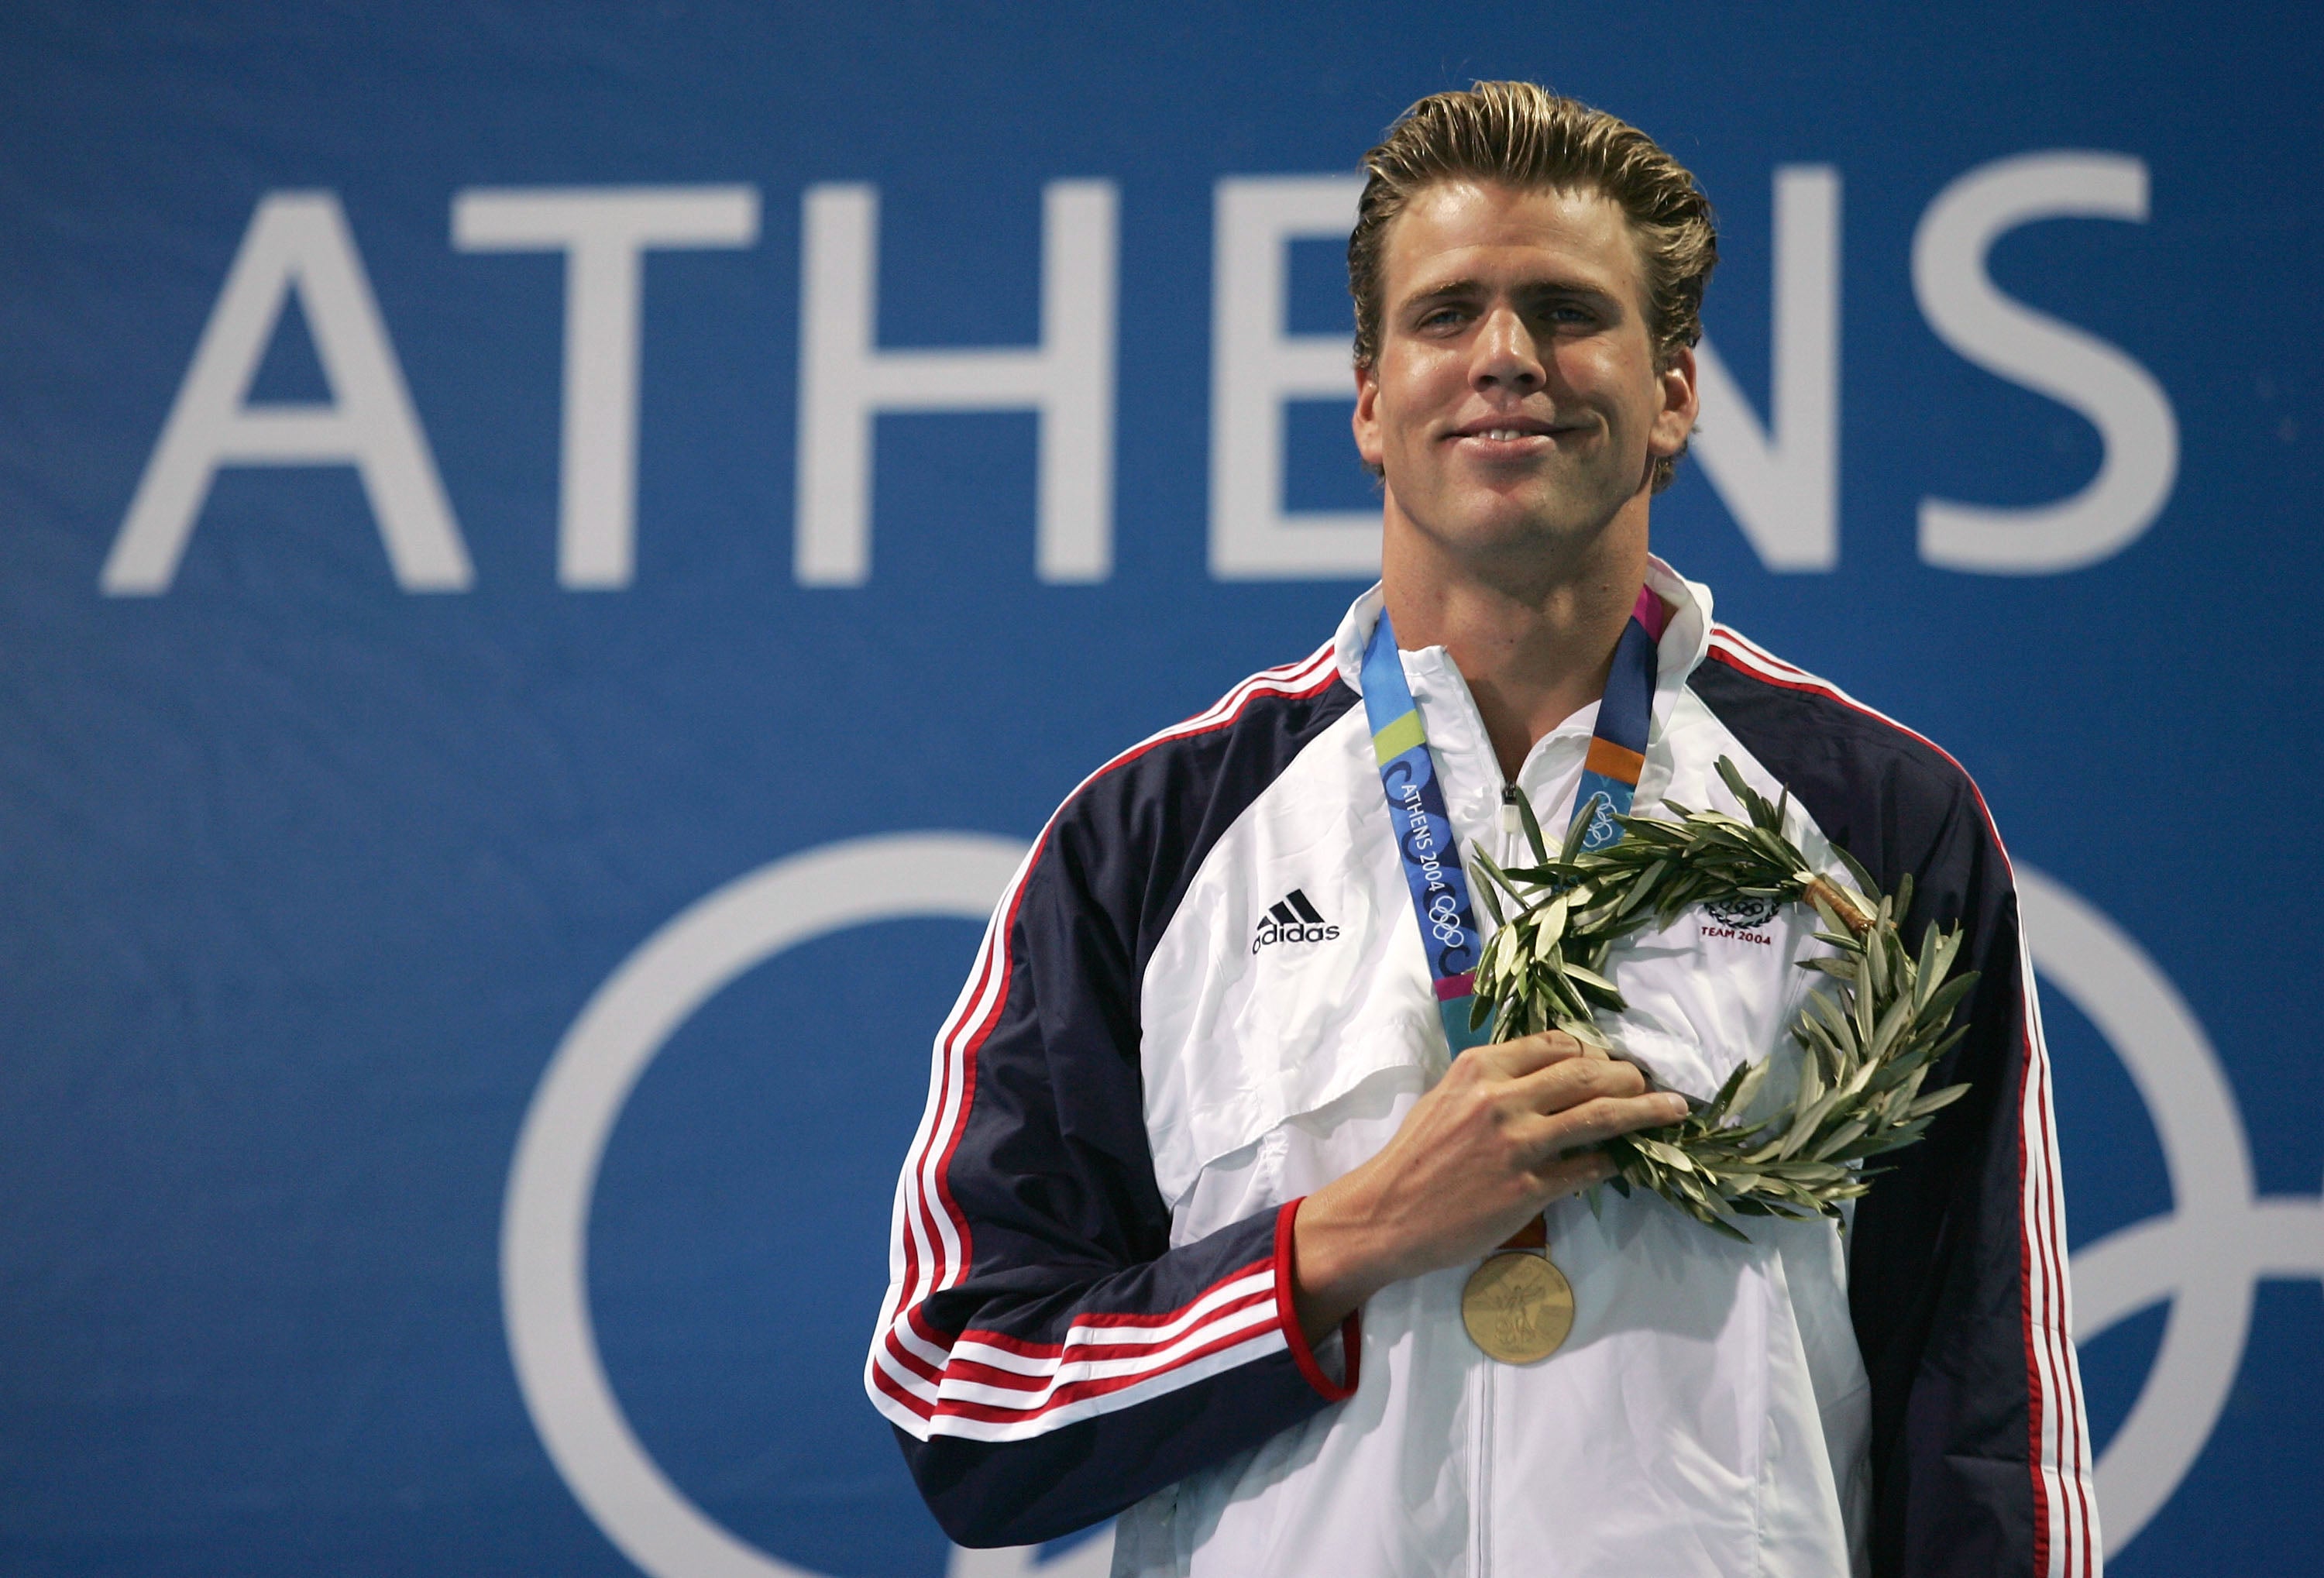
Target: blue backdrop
column 413, row 616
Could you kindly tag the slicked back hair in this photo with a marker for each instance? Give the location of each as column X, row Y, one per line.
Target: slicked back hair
column 1522, row 135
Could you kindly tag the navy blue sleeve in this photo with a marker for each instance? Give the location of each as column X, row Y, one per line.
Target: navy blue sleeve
column 1046, row 1356
column 1956, row 1260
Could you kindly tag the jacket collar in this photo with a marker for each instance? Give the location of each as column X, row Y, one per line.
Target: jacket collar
column 1685, row 638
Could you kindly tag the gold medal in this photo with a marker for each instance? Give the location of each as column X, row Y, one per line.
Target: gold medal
column 1517, row 1307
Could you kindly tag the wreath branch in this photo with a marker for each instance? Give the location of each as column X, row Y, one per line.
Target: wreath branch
column 1869, row 1042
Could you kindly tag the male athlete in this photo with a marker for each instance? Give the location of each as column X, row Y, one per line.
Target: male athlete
column 1205, row 1173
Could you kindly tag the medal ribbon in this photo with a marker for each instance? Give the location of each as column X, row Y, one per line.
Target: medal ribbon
column 1424, row 839
column 1618, row 746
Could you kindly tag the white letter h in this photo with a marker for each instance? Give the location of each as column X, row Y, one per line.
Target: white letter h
column 845, row 381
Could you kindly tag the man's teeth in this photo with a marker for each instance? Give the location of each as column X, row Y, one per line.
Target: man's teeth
column 1503, row 433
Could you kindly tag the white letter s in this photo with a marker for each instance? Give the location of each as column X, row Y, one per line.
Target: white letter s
column 2120, row 398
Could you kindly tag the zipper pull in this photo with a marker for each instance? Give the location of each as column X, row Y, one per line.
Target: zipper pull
column 1512, row 825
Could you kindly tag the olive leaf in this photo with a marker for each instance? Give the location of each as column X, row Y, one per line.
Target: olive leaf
column 1868, row 1041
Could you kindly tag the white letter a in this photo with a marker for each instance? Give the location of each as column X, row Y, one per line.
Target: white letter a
column 297, row 241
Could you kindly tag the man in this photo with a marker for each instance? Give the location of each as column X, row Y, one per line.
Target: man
column 1187, row 1224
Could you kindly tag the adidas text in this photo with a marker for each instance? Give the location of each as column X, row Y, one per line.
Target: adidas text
column 1293, row 919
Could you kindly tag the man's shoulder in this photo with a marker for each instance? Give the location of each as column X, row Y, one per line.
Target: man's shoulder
column 1887, row 792
column 1129, row 839
column 1775, row 705
column 1234, row 747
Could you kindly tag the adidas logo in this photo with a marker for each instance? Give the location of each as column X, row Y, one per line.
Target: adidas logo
column 1293, row 919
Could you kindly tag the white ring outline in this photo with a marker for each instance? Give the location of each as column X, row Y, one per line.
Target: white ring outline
column 553, row 1176
column 2207, row 1254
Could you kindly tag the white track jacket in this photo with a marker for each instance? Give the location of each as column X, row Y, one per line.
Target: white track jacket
column 1203, row 996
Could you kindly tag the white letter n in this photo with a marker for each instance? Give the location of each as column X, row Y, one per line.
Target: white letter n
column 1781, row 482
column 297, row 241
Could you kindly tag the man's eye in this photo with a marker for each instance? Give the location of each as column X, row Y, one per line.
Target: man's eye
column 1442, row 317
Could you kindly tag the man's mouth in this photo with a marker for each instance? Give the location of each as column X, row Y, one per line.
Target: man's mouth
column 1508, row 430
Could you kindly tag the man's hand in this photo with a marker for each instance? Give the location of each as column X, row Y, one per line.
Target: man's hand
column 1501, row 1136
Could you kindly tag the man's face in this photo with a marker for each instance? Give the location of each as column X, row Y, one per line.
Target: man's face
column 1515, row 402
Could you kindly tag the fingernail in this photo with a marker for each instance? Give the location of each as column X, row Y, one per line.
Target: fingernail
column 1677, row 1106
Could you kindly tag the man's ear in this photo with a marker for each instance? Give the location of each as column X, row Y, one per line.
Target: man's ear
column 1364, row 422
column 1682, row 403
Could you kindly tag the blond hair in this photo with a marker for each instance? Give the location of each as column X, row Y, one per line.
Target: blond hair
column 1520, row 135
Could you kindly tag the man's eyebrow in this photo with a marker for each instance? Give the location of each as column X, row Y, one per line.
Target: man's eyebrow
column 1451, row 291
column 1469, row 289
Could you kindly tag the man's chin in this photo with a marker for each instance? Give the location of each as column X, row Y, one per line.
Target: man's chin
column 1520, row 517
column 1521, row 538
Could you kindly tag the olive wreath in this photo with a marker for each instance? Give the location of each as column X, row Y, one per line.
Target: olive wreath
column 1867, row 1046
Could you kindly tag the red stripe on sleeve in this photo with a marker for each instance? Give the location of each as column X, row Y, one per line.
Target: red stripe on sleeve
column 1352, row 1331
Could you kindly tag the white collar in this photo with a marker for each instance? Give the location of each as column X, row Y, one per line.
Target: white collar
column 1685, row 638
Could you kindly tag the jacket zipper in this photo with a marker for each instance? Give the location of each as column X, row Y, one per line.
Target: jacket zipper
column 1480, row 1513
column 1480, row 1506
column 1512, row 830
column 1480, row 1519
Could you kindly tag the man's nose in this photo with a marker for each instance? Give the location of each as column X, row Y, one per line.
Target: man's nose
column 1506, row 354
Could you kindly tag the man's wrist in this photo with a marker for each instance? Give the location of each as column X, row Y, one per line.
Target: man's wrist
column 1315, row 1354
column 1335, row 1264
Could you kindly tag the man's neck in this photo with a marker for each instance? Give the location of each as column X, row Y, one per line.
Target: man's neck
column 1534, row 642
